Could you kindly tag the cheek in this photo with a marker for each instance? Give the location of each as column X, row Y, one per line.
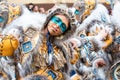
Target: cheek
column 49, row 27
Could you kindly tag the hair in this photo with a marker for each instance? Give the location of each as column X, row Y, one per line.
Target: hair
column 30, row 4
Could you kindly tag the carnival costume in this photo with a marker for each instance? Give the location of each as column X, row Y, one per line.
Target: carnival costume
column 114, row 48
column 33, row 54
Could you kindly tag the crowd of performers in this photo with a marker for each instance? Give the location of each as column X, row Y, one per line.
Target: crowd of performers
column 81, row 42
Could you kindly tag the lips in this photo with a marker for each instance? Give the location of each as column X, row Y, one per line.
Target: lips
column 54, row 28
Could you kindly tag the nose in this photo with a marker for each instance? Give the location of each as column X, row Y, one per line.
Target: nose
column 56, row 26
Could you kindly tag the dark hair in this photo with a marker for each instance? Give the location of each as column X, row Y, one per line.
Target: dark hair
column 29, row 5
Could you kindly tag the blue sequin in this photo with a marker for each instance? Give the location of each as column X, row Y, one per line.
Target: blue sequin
column 82, row 35
column 51, row 73
column 118, row 40
column 77, row 12
column 72, row 72
column 27, row 47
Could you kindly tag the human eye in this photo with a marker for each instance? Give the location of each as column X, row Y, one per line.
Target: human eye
column 57, row 19
column 63, row 26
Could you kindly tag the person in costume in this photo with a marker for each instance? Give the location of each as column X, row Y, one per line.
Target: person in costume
column 94, row 62
column 78, row 8
column 37, row 40
column 8, row 12
column 3, row 14
column 114, row 48
column 30, row 6
column 99, row 13
column 82, row 9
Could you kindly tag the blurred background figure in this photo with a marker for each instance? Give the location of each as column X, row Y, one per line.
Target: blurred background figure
column 78, row 8
column 36, row 8
column 31, row 6
column 42, row 10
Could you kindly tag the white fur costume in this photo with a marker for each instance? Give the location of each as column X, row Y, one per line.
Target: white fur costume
column 27, row 29
column 26, row 20
column 100, row 13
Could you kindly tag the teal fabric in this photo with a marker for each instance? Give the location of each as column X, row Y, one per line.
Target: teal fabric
column 1, row 19
column 77, row 12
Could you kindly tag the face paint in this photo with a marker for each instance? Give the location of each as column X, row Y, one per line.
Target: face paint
column 59, row 22
column 77, row 12
column 1, row 19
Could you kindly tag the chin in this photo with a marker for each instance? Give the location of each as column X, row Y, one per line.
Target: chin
column 53, row 34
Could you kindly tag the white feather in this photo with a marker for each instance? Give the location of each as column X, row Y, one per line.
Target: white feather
column 50, row 57
column 115, row 18
column 96, row 14
column 26, row 20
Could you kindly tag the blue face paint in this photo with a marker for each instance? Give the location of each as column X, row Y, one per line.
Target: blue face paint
column 77, row 12
column 59, row 22
column 1, row 19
